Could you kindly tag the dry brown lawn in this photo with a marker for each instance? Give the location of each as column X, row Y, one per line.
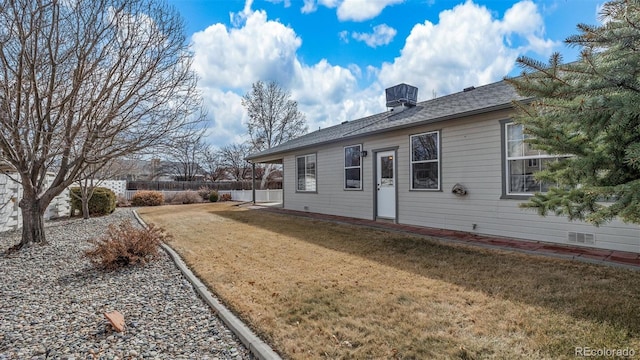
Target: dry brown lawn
column 316, row 289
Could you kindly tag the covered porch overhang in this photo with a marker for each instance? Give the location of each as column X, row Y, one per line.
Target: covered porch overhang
column 270, row 201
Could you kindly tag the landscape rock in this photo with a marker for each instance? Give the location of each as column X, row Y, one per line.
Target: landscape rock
column 116, row 319
column 53, row 300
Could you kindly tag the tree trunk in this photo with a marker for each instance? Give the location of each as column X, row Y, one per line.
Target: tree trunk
column 86, row 192
column 265, row 176
column 32, row 223
column 85, row 206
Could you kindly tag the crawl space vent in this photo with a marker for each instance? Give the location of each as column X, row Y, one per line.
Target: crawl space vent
column 581, row 238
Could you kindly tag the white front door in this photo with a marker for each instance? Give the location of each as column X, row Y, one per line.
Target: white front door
column 386, row 184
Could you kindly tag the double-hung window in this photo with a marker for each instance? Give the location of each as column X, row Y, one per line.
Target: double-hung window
column 523, row 161
column 353, row 167
column 306, row 173
column 425, row 161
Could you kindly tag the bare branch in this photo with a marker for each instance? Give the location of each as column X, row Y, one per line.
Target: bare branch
column 85, row 82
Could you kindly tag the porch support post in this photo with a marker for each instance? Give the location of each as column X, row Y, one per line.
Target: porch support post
column 253, row 179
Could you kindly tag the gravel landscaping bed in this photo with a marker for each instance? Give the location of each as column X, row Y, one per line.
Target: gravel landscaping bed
column 52, row 302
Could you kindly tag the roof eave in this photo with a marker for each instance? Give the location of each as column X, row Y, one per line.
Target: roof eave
column 277, row 155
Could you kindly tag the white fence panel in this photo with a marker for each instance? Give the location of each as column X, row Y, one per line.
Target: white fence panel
column 236, row 195
column 10, row 195
column 269, row 195
column 119, row 187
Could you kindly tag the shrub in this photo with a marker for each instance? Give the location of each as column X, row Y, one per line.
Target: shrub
column 169, row 196
column 213, row 196
column 204, row 192
column 124, row 244
column 188, row 197
column 102, row 202
column 147, row 198
column 122, row 201
column 225, row 197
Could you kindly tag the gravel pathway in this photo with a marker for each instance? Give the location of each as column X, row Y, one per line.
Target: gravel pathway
column 52, row 302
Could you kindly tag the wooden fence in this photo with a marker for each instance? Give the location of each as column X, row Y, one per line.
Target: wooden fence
column 196, row 185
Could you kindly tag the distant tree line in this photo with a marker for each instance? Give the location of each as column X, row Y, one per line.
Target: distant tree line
column 197, row 185
column 273, row 119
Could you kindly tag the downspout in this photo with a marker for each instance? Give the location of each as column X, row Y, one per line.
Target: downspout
column 253, row 182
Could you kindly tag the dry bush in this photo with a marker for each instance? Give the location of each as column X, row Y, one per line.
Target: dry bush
column 225, row 197
column 204, row 192
column 147, row 198
column 188, row 197
column 122, row 201
column 170, row 197
column 124, row 245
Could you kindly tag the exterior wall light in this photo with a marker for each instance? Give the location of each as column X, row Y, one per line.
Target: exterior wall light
column 459, row 190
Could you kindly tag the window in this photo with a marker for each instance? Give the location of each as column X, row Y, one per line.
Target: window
column 522, row 162
column 306, row 172
column 425, row 161
column 353, row 167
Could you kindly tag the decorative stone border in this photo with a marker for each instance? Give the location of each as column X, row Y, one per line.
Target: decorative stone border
column 257, row 347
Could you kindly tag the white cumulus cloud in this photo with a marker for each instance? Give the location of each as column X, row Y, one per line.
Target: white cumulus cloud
column 382, row 34
column 468, row 46
column 287, row 3
column 229, row 60
column 308, row 7
column 227, row 117
column 235, row 58
column 329, row 94
column 350, row 10
column 361, row 10
column 523, row 19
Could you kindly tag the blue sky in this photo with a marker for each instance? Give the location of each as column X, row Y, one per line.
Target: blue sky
column 336, row 57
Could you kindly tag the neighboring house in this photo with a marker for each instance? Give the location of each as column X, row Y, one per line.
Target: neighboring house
column 456, row 162
column 140, row 170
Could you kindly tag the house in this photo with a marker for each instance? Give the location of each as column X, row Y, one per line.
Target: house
column 457, row 162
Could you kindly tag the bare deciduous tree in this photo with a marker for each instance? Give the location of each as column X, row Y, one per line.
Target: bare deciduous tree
column 213, row 164
column 183, row 157
column 82, row 82
column 233, row 158
column 273, row 118
column 87, row 184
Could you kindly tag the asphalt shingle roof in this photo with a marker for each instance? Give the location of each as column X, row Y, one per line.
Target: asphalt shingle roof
column 482, row 99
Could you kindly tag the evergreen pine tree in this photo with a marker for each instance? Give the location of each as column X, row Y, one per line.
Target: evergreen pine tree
column 590, row 110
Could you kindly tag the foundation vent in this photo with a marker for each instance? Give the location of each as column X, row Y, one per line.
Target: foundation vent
column 581, row 238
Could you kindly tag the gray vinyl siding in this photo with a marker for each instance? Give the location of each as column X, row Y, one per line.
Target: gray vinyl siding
column 471, row 153
column 330, row 198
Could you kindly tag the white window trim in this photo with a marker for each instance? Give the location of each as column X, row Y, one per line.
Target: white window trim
column 507, row 172
column 411, row 162
column 305, row 156
column 345, row 168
